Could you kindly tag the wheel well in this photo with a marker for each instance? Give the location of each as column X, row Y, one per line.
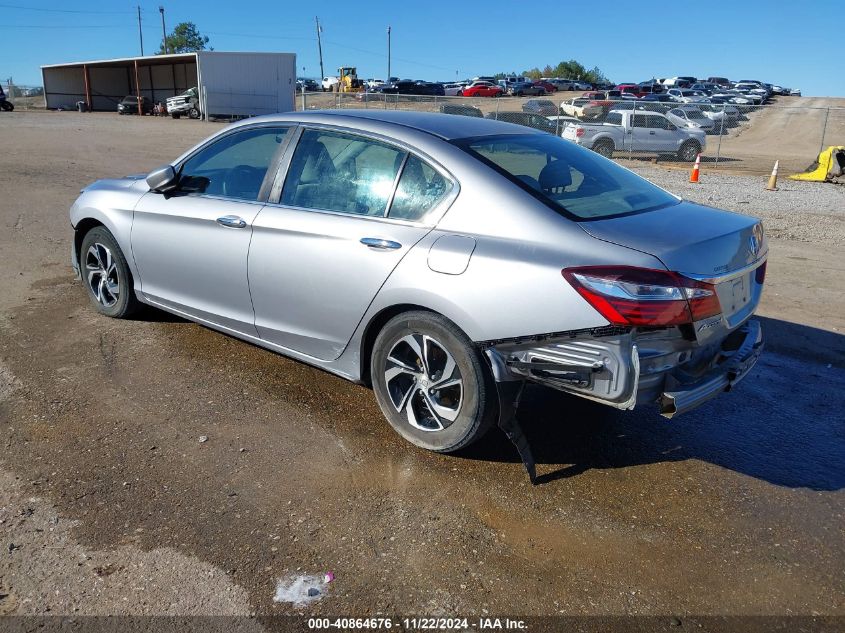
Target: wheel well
column 373, row 328
column 81, row 231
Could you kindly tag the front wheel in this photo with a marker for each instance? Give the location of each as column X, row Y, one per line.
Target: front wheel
column 194, row 113
column 8, row 106
column 431, row 383
column 689, row 150
column 106, row 274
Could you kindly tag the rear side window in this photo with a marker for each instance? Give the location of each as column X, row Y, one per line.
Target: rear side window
column 614, row 118
column 334, row 171
column 569, row 179
column 421, row 188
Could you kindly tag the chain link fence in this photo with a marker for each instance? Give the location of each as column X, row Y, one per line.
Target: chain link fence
column 739, row 138
column 23, row 97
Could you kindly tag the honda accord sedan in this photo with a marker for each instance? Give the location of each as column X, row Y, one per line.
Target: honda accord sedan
column 439, row 260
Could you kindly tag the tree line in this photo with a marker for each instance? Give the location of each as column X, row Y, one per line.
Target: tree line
column 571, row 69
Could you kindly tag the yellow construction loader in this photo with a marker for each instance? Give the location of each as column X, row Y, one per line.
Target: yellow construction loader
column 348, row 80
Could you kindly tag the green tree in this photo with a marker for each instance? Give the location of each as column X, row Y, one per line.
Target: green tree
column 185, row 38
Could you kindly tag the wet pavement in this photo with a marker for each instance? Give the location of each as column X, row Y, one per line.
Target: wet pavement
column 734, row 508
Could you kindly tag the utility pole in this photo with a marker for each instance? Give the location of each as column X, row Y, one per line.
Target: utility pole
column 388, row 53
column 163, row 31
column 320, row 51
column 140, row 32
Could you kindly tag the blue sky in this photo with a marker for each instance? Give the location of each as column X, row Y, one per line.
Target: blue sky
column 793, row 44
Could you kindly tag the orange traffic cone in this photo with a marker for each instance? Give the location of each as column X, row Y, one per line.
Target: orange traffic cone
column 693, row 177
column 773, row 179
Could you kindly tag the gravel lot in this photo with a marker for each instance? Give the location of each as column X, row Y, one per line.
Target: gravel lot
column 798, row 211
column 110, row 503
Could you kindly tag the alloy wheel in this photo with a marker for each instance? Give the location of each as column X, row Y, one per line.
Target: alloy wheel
column 102, row 275
column 424, row 381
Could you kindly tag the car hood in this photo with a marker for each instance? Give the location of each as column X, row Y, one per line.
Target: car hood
column 135, row 181
column 687, row 237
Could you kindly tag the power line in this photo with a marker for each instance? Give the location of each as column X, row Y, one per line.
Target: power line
column 45, row 10
column 75, row 26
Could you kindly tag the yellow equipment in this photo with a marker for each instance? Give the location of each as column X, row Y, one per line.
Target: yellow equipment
column 829, row 165
column 348, row 79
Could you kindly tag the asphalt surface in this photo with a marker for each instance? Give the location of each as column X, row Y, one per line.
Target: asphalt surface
column 111, row 503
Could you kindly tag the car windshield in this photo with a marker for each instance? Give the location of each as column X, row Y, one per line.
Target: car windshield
column 570, row 179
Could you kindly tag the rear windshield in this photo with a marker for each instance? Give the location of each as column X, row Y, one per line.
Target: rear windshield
column 571, row 180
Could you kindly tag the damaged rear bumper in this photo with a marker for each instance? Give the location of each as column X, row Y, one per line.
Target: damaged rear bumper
column 739, row 352
column 624, row 368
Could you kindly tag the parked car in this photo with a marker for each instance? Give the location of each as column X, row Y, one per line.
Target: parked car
column 536, row 121
column 686, row 96
column 129, row 105
column 562, row 84
column 453, row 90
column 303, row 84
column 524, row 88
column 481, row 89
column 187, row 104
column 562, row 121
column 540, row 106
column 519, row 257
column 547, row 86
column 638, row 132
column 328, row 82
column 465, row 110
column 659, row 98
column 721, row 82
column 584, row 108
column 691, row 117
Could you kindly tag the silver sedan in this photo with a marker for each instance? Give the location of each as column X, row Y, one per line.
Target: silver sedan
column 440, row 259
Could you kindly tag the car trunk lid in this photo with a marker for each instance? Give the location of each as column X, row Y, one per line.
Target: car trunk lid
column 700, row 242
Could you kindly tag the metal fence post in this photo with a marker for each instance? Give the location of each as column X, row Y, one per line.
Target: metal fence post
column 303, row 98
column 497, row 109
column 721, row 132
column 824, row 129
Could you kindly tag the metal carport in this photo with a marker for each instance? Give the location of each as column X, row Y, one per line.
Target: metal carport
column 230, row 83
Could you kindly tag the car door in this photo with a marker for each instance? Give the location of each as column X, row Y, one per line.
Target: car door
column 642, row 137
column 190, row 245
column 350, row 208
column 665, row 135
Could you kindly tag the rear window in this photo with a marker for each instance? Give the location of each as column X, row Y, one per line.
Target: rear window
column 571, row 180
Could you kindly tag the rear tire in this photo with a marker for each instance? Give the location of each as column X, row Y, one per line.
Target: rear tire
column 689, row 150
column 431, row 382
column 106, row 275
column 604, row 148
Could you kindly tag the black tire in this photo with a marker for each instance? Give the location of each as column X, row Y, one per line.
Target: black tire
column 604, row 148
column 175, row 115
column 689, row 150
column 460, row 93
column 118, row 278
column 194, row 113
column 8, row 106
column 477, row 400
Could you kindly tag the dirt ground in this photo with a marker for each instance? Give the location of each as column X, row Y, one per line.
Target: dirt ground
column 110, row 503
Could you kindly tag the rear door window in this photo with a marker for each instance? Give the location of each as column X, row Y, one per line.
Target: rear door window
column 346, row 173
column 421, row 188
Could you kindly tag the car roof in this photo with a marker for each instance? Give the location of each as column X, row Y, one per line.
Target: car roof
column 445, row 126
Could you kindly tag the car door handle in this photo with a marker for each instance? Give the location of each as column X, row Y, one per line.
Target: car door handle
column 652, row 133
column 379, row 244
column 232, row 222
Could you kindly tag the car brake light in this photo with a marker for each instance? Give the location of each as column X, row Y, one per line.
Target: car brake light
column 579, row 131
column 625, row 295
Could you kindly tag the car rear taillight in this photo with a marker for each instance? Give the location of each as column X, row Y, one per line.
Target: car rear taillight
column 579, row 131
column 625, row 295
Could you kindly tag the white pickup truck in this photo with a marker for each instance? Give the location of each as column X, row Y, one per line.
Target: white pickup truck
column 187, row 103
column 637, row 131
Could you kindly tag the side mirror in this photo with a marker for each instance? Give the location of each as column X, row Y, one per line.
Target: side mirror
column 163, row 179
